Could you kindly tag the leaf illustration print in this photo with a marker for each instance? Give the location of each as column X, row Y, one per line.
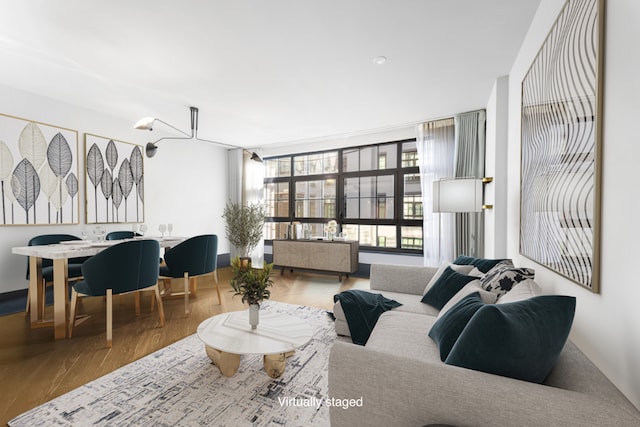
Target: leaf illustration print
column 6, row 167
column 116, row 197
column 72, row 188
column 125, row 177
column 106, row 185
column 95, row 169
column 48, row 184
column 32, row 146
column 27, row 188
column 60, row 159
column 137, row 172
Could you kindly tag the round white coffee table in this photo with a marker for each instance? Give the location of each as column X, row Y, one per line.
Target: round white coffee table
column 229, row 335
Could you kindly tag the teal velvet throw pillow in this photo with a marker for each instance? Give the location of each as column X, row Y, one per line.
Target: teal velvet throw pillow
column 448, row 328
column 447, row 285
column 482, row 264
column 520, row 340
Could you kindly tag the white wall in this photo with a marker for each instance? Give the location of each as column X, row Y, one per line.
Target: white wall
column 495, row 193
column 185, row 187
column 607, row 325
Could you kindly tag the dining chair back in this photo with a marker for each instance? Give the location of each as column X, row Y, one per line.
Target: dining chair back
column 189, row 259
column 73, row 268
column 126, row 267
column 121, row 235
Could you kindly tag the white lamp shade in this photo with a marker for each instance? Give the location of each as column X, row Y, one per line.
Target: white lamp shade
column 457, row 195
column 146, row 123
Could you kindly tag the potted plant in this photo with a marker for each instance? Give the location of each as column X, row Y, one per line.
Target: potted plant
column 252, row 285
column 244, row 226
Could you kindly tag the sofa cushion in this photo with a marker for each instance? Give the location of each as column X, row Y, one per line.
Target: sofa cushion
column 362, row 310
column 404, row 334
column 447, row 329
column 463, row 269
column 520, row 339
column 447, row 285
column 469, row 288
column 521, row 291
column 501, row 278
column 483, row 264
column 410, row 304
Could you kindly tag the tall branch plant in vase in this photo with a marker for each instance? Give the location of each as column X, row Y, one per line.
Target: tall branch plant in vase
column 244, row 227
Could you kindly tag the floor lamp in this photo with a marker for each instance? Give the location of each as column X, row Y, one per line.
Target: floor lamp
column 458, row 195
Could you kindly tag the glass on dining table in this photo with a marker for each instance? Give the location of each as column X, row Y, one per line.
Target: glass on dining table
column 162, row 228
column 169, row 229
column 99, row 232
column 143, row 229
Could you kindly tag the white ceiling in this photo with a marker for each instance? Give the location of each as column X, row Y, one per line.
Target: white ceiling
column 264, row 71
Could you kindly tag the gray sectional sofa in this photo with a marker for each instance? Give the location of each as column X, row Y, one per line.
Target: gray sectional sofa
column 398, row 379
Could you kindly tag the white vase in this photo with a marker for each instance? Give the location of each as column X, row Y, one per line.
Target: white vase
column 254, row 315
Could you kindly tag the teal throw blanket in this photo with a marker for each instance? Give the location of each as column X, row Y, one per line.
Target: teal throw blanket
column 362, row 310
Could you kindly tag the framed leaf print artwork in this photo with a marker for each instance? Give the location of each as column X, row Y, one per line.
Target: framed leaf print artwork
column 114, row 180
column 38, row 173
column 562, row 144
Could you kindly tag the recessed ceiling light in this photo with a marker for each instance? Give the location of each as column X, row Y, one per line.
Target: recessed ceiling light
column 379, row 60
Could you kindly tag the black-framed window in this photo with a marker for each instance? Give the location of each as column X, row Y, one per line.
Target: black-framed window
column 372, row 191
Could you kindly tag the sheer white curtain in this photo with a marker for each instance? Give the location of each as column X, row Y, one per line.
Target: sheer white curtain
column 435, row 143
column 253, row 192
column 469, row 162
column 234, row 190
column 246, row 186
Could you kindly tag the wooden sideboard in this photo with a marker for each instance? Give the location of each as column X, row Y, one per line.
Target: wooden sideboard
column 332, row 256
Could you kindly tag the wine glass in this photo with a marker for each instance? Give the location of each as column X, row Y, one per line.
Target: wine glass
column 83, row 233
column 143, row 229
column 134, row 228
column 162, row 228
column 169, row 228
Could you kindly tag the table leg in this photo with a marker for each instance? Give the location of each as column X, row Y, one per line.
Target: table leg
column 228, row 363
column 275, row 364
column 60, row 298
column 36, row 290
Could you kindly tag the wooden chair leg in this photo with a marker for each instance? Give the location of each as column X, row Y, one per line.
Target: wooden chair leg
column 215, row 276
column 194, row 287
column 72, row 314
column 137, row 303
column 109, row 318
column 186, row 293
column 160, row 307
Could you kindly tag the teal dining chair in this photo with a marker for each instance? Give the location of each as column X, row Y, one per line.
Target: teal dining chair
column 190, row 259
column 126, row 267
column 73, row 269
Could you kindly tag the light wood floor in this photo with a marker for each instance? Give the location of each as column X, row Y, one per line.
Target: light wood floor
column 34, row 368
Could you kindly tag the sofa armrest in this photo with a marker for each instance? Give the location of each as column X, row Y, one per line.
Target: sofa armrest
column 396, row 390
column 400, row 278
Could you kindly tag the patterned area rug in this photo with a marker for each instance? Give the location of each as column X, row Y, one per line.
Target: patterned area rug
column 179, row 386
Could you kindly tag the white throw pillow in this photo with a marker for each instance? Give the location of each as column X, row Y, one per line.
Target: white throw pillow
column 521, row 291
column 476, row 273
column 471, row 287
column 462, row 269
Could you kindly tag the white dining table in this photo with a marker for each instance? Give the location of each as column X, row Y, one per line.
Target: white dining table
column 60, row 253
